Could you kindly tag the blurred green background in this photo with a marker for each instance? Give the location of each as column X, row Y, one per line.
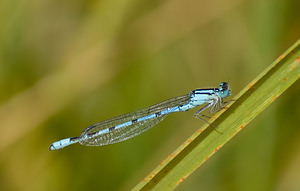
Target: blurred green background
column 65, row 65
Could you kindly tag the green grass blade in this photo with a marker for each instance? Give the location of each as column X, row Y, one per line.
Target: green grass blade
column 250, row 102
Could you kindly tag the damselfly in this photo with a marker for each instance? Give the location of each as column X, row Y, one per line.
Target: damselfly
column 129, row 125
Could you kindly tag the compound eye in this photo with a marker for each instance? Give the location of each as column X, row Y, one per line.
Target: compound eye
column 225, row 86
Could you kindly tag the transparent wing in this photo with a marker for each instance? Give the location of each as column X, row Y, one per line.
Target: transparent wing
column 124, row 133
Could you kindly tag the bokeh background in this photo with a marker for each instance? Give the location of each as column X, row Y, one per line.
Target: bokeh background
column 65, row 65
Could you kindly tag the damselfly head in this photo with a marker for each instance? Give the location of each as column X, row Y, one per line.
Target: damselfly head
column 224, row 90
